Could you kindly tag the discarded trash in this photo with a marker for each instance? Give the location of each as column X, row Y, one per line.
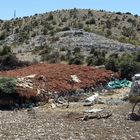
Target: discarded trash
column 101, row 101
column 92, row 98
column 95, row 110
column 119, row 84
column 124, row 97
column 115, row 101
column 99, row 115
column 53, row 105
column 88, row 104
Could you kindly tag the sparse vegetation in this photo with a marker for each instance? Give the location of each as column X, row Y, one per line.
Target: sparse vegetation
column 27, row 27
column 7, row 85
column 118, row 26
column 52, row 57
column 126, row 64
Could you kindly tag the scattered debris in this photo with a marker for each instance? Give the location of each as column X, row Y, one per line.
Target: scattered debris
column 53, row 105
column 125, row 97
column 134, row 116
column 24, row 82
column 115, row 101
column 91, row 100
column 98, row 115
column 95, row 110
column 119, row 84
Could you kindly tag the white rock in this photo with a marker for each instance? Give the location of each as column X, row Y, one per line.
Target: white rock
column 95, row 110
column 75, row 78
column 31, row 76
column 92, row 98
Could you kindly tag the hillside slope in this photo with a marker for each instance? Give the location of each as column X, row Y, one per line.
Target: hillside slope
column 27, row 33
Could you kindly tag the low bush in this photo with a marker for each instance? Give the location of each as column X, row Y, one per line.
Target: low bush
column 52, row 57
column 78, row 60
column 7, row 85
column 5, row 51
column 95, row 61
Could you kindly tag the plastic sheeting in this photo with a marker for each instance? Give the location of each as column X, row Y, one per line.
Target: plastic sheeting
column 119, row 84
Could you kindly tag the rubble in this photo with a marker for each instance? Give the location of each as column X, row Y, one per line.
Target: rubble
column 91, row 100
column 95, row 110
column 98, row 114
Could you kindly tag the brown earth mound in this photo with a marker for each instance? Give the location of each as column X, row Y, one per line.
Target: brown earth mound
column 57, row 77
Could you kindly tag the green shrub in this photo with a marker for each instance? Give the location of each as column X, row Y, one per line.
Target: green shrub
column 64, row 19
column 78, row 60
column 53, row 57
column 66, row 28
column 2, row 35
column 44, row 31
column 63, row 58
column 54, row 39
column 63, row 49
column 46, row 50
column 118, row 13
column 23, row 36
column 76, row 50
column 95, row 61
column 90, row 12
column 5, row 51
column 91, row 21
column 89, row 60
column 108, row 33
column 108, row 24
column 126, row 64
column 127, row 69
column 137, row 57
column 7, row 85
column 69, row 54
column 50, row 16
column 87, row 29
column 78, row 25
column 9, row 60
column 129, row 40
column 92, row 50
column 128, row 13
column 111, row 64
column 128, row 32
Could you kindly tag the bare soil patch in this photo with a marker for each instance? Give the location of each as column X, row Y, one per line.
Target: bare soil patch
column 57, row 77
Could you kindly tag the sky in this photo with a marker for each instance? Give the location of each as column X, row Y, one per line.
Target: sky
column 31, row 7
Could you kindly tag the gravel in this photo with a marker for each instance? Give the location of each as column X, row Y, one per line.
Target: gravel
column 66, row 124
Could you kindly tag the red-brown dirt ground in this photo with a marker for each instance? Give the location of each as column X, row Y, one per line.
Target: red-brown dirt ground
column 57, row 77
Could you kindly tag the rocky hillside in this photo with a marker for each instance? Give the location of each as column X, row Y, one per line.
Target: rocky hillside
column 75, row 36
column 114, row 25
column 29, row 32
